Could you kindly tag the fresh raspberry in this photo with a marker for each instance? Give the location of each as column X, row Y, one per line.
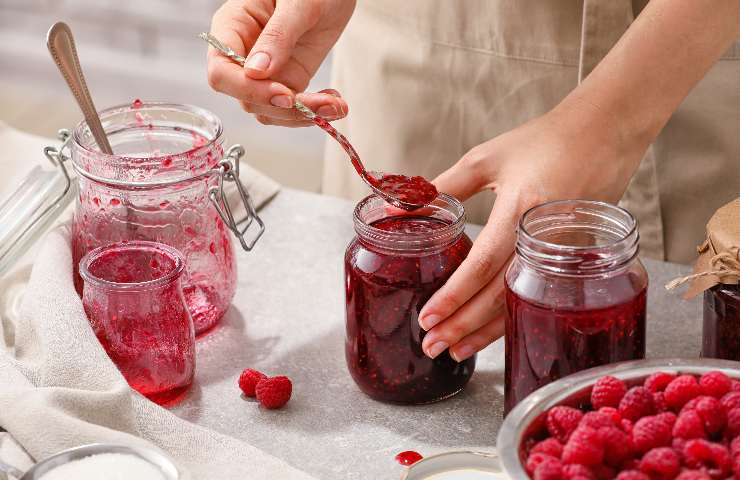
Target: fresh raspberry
column 693, row 475
column 573, row 471
column 534, row 460
column 678, row 443
column 549, row 469
column 667, row 417
column 607, row 392
column 736, row 466
column 689, row 425
column 274, row 392
column 730, row 400
column 596, row 420
column 584, row 447
column 715, row 384
column 681, row 389
column 735, row 386
column 627, row 426
column 631, row 464
column 735, row 447
column 636, row 403
column 712, row 457
column 617, row 445
column 632, row 475
column 613, row 413
column 711, row 413
column 649, row 433
column 657, row 381
column 603, row 472
column 249, row 379
column 549, row 446
column 663, row 462
column 659, row 402
column 733, row 423
column 561, row 421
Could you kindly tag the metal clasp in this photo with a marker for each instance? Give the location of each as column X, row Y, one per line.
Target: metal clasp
column 228, row 170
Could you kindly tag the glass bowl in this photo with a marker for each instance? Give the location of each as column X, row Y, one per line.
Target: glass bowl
column 575, row 389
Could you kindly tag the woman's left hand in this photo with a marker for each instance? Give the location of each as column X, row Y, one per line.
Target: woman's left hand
column 570, row 152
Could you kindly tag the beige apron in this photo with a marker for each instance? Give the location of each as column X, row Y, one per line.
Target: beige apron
column 427, row 80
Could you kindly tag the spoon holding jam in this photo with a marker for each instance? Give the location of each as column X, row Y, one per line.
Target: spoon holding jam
column 408, row 193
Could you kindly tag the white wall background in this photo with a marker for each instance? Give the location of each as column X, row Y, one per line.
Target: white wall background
column 130, row 49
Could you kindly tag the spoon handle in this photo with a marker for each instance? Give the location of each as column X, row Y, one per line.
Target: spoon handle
column 61, row 45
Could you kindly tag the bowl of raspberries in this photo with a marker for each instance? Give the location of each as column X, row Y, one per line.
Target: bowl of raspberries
column 639, row 420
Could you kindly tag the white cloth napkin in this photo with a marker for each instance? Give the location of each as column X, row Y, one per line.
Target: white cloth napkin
column 59, row 389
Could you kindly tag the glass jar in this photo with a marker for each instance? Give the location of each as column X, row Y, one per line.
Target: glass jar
column 165, row 184
column 392, row 267
column 721, row 334
column 133, row 299
column 575, row 294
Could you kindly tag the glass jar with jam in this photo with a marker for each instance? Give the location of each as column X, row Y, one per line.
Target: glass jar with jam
column 721, row 334
column 392, row 267
column 575, row 294
column 164, row 183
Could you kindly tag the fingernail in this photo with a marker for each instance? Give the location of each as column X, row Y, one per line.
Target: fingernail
column 327, row 111
column 429, row 321
column 282, row 101
column 259, row 61
column 462, row 353
column 436, row 349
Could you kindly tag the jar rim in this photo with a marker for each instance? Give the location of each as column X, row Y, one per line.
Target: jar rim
column 169, row 277
column 410, row 241
column 618, row 247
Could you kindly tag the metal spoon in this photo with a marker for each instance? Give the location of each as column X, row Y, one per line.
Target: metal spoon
column 61, row 45
column 373, row 179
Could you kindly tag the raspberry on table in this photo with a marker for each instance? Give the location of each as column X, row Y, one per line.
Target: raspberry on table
column 549, row 446
column 662, row 462
column 703, row 454
column 549, row 469
column 562, row 421
column 274, row 392
column 636, row 403
column 693, row 475
column 576, row 471
column 650, row 432
column 657, row 381
column 689, row 425
column 617, row 445
column 681, row 389
column 607, row 392
column 248, row 381
column 584, row 447
column 715, row 384
column 632, row 475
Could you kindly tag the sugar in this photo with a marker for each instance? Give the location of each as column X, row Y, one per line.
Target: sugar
column 106, row 466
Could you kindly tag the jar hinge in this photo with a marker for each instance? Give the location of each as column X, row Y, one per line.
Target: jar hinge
column 228, row 169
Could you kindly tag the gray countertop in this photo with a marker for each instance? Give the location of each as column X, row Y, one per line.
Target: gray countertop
column 288, row 318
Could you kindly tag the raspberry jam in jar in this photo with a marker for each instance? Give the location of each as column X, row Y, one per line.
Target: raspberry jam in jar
column 721, row 336
column 392, row 267
column 133, row 299
column 163, row 183
column 575, row 294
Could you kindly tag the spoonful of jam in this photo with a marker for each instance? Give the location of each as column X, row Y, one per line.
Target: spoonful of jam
column 408, row 193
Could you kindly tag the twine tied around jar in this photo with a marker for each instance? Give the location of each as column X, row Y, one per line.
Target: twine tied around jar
column 723, row 264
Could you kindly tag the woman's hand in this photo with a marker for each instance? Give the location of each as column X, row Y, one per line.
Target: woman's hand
column 284, row 41
column 571, row 152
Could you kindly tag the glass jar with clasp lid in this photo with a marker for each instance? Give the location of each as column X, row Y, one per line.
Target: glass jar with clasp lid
column 167, row 182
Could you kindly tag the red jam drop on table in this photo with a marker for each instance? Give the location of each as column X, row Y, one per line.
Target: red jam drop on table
column 148, row 332
column 137, row 103
column 721, row 337
column 408, row 457
column 385, row 293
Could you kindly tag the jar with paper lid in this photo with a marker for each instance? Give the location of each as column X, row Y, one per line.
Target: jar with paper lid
column 166, row 183
column 717, row 276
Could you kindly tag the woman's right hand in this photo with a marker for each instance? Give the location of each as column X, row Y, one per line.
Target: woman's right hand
column 284, row 41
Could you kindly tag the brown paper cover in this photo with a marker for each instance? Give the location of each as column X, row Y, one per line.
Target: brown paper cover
column 719, row 255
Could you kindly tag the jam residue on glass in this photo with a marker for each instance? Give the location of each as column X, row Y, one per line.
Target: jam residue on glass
column 385, row 292
column 721, row 337
column 408, row 457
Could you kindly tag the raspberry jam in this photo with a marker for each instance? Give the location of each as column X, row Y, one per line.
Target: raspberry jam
column 575, row 294
column 133, row 300
column 392, row 268
column 721, row 337
column 412, row 190
column 408, row 457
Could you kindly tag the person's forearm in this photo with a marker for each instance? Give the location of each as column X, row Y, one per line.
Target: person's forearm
column 662, row 56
